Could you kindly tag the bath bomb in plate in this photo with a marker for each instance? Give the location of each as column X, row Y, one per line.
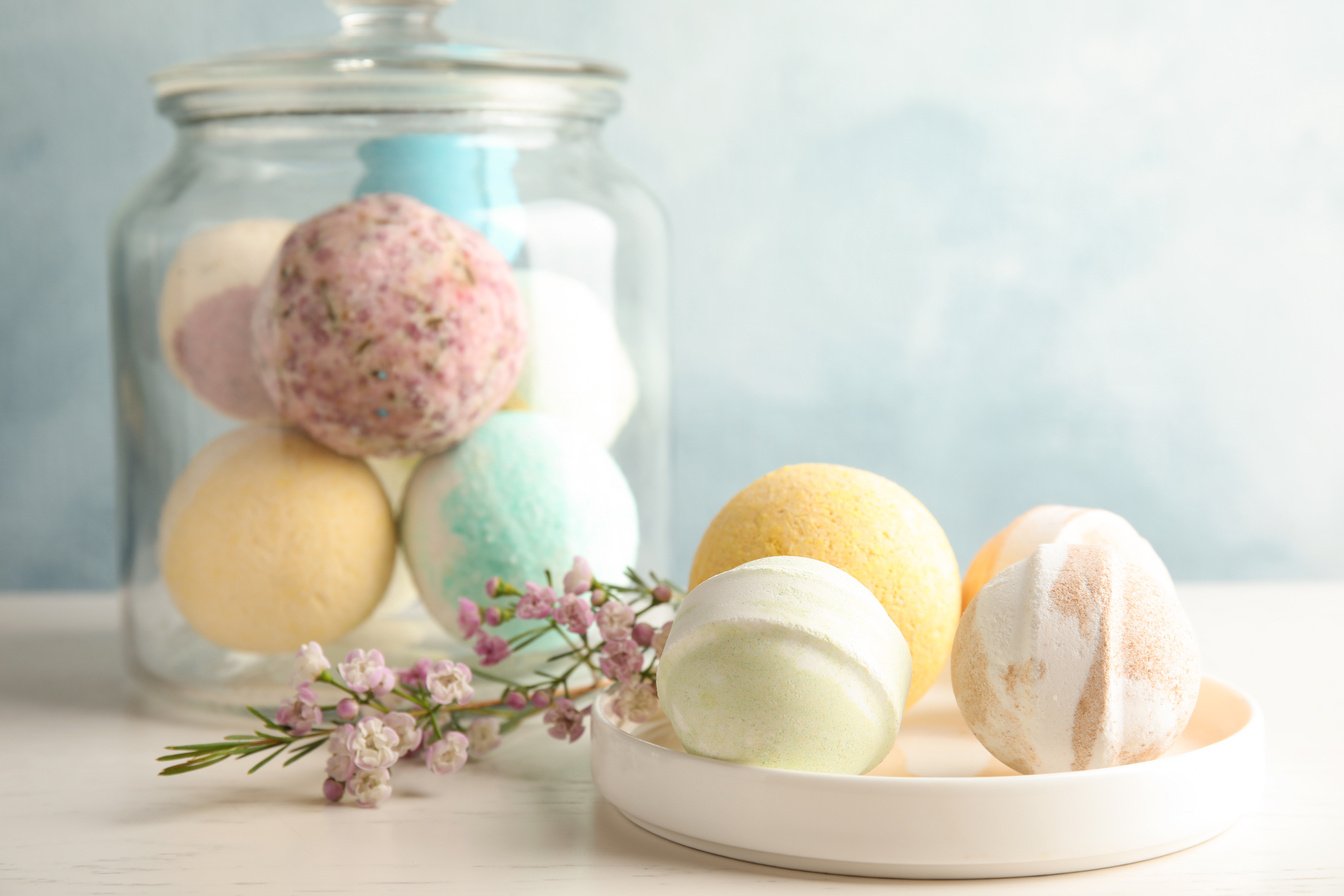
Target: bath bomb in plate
column 205, row 313
column 1058, row 523
column 577, row 368
column 862, row 523
column 268, row 540
column 387, row 328
column 785, row 662
column 526, row 493
column 1075, row 658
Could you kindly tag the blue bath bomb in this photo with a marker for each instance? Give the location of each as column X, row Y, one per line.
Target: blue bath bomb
column 454, row 173
column 524, row 494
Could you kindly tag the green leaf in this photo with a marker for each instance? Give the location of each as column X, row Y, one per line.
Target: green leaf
column 274, row 753
column 300, row 752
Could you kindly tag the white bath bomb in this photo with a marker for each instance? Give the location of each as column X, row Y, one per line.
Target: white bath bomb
column 393, row 473
column 269, row 540
column 1059, row 524
column 1073, row 659
column 785, row 662
column 576, row 366
column 205, row 313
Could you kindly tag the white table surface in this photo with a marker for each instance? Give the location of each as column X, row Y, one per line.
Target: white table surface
column 82, row 811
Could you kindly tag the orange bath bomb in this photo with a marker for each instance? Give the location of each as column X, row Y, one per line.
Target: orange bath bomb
column 860, row 522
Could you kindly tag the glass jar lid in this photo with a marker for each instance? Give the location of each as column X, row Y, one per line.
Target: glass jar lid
column 387, row 57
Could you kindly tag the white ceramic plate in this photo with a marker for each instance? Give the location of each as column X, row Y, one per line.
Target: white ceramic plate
column 940, row 806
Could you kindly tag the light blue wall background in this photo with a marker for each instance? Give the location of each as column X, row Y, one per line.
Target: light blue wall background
column 1002, row 253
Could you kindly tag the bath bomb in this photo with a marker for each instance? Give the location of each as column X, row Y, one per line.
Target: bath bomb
column 205, row 313
column 462, row 175
column 577, row 368
column 526, row 493
column 785, row 662
column 1075, row 658
column 862, row 523
column 269, row 540
column 387, row 328
column 393, row 473
column 1057, row 523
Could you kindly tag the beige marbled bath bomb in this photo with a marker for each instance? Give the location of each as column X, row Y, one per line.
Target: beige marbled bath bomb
column 1059, row 523
column 1075, row 658
column 269, row 540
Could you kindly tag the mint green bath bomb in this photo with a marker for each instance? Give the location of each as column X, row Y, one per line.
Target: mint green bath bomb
column 523, row 494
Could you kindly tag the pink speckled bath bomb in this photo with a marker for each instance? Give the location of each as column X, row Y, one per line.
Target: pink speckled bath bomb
column 387, row 328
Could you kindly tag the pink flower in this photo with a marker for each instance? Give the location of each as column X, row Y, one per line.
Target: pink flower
column 621, row 660
column 340, row 765
column 301, row 714
column 483, row 735
column 660, row 638
column 493, row 616
column 515, row 700
column 662, row 594
column 642, row 634
column 492, row 586
column 374, row 745
column 541, row 699
column 565, row 719
column 637, row 702
column 449, row 754
column 333, row 790
column 579, row 579
column 537, row 602
column 491, row 649
column 365, row 672
column 449, row 682
column 598, row 597
column 341, row 768
column 309, row 663
column 414, row 677
column 615, row 620
column 574, row 614
column 408, row 735
column 347, row 709
column 369, row 787
column 468, row 617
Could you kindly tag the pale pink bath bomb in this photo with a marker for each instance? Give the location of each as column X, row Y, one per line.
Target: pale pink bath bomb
column 205, row 313
column 387, row 328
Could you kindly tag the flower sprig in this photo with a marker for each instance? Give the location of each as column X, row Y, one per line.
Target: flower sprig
column 377, row 716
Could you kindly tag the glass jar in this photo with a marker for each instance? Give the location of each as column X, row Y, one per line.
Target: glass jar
column 382, row 323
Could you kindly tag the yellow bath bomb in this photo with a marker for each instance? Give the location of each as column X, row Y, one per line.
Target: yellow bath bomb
column 268, row 540
column 862, row 523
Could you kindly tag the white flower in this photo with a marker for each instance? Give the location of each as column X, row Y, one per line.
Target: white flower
column 448, row 755
column 449, row 682
column 374, row 745
column 636, row 702
column 309, row 663
column 367, row 672
column 369, row 786
column 408, row 736
column 483, row 735
column 660, row 638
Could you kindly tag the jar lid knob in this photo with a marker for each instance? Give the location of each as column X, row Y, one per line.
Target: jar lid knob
column 365, row 17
